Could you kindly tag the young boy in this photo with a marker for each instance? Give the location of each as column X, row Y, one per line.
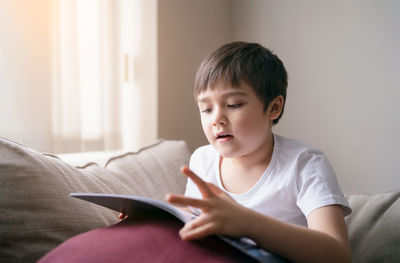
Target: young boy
column 250, row 182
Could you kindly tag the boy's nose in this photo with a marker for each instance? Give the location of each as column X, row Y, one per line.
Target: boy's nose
column 219, row 118
column 216, row 123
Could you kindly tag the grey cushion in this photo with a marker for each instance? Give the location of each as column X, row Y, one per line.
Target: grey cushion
column 36, row 213
column 374, row 227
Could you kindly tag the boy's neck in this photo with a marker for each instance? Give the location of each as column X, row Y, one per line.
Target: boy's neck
column 261, row 157
column 238, row 175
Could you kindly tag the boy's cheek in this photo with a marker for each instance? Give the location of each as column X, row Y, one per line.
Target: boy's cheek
column 209, row 137
column 206, row 126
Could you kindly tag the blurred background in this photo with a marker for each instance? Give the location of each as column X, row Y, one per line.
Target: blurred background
column 92, row 75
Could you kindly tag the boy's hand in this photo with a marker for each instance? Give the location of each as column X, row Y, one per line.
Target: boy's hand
column 221, row 214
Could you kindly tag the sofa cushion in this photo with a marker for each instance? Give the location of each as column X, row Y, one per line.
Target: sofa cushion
column 36, row 213
column 374, row 227
column 156, row 170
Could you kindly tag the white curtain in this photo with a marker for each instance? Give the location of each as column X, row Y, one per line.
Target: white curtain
column 86, row 80
column 79, row 75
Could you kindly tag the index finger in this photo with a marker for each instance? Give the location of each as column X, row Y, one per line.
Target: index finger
column 201, row 185
column 187, row 201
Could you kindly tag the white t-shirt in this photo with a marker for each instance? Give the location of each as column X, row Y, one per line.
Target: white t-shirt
column 298, row 180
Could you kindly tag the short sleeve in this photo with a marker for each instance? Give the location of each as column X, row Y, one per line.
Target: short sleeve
column 201, row 163
column 317, row 184
column 191, row 188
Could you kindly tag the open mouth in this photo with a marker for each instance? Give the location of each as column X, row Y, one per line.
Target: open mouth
column 221, row 136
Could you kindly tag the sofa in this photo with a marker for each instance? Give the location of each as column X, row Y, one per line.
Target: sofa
column 36, row 213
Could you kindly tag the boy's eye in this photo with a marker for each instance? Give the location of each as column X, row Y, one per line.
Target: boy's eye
column 235, row 106
column 207, row 110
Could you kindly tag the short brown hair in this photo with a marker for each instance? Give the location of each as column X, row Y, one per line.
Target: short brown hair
column 252, row 63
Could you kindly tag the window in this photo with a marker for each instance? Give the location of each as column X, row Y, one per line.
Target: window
column 79, row 75
column 86, row 89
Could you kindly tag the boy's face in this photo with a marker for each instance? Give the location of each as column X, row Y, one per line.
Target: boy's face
column 234, row 120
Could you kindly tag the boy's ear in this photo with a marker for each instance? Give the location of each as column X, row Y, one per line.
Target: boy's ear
column 275, row 107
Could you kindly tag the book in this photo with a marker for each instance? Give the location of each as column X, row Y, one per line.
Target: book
column 130, row 205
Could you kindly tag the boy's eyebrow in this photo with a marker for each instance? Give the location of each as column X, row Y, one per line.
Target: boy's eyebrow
column 225, row 95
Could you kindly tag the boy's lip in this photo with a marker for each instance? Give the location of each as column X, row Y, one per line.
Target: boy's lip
column 223, row 135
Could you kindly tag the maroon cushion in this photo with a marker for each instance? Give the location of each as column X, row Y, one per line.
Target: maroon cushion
column 142, row 240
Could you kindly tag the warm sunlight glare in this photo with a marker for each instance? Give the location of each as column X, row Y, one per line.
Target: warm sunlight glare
column 130, row 92
column 89, row 68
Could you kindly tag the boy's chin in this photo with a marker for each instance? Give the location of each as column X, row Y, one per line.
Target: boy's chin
column 227, row 156
column 226, row 153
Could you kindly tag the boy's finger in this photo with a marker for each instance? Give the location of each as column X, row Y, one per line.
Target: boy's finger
column 197, row 232
column 187, row 201
column 203, row 187
column 215, row 189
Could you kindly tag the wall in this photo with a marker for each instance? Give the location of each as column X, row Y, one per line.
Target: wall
column 343, row 59
column 187, row 31
column 25, row 72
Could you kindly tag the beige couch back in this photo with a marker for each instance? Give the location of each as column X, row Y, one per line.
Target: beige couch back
column 36, row 213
